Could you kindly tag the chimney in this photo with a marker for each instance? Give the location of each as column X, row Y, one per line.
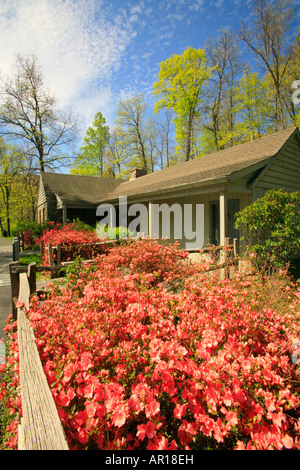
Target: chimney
column 136, row 173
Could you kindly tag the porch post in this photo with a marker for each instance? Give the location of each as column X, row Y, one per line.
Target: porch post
column 223, row 216
column 153, row 222
column 64, row 208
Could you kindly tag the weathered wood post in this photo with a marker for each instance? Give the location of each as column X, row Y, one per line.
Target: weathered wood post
column 50, row 255
column 235, row 247
column 227, row 257
column 58, row 254
column 16, row 249
column 15, row 285
column 31, row 273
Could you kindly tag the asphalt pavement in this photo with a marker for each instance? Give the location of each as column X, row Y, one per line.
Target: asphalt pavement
column 5, row 288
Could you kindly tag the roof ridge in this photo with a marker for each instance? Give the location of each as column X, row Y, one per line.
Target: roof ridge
column 250, row 141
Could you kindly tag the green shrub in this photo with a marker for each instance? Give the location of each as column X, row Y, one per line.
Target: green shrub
column 271, row 227
column 113, row 233
column 30, row 231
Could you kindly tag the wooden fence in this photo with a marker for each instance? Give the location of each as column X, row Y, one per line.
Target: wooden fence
column 40, row 427
column 225, row 256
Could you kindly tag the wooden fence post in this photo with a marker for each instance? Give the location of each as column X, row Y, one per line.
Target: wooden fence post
column 235, row 247
column 50, row 254
column 58, row 254
column 16, row 249
column 15, row 285
column 31, row 273
column 227, row 256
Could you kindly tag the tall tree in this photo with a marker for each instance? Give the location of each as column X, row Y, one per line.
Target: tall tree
column 253, row 106
column 164, row 140
column 180, row 86
column 269, row 40
column 10, row 164
column 117, row 152
column 291, row 85
column 29, row 114
column 91, row 158
column 224, row 58
column 132, row 121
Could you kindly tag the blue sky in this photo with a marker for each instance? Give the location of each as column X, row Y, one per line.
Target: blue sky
column 96, row 52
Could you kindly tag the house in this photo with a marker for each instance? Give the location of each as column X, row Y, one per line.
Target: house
column 221, row 184
column 64, row 197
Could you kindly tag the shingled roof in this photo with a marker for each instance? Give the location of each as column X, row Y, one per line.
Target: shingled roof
column 210, row 169
column 77, row 189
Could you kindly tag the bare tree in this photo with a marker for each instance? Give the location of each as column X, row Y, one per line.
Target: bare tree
column 164, row 138
column 29, row 114
column 131, row 119
column 224, row 57
column 269, row 41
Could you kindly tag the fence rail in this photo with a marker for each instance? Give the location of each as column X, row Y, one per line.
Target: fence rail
column 40, row 427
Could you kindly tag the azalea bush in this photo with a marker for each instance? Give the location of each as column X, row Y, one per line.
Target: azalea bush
column 75, row 240
column 136, row 359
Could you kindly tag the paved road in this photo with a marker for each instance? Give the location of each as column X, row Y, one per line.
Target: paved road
column 5, row 289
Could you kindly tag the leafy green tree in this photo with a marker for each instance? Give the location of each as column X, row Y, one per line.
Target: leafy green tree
column 292, row 75
column 271, row 227
column 91, row 158
column 117, row 152
column 253, row 106
column 181, row 82
column 10, row 164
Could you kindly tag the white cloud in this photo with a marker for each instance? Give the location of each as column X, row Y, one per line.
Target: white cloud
column 77, row 42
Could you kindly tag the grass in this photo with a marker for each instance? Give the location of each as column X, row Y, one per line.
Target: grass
column 25, row 260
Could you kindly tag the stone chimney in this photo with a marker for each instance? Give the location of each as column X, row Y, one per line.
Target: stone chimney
column 136, row 173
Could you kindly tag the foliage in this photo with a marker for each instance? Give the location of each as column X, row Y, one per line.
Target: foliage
column 25, row 260
column 91, row 158
column 134, row 365
column 10, row 166
column 271, row 227
column 113, row 233
column 10, row 400
column 253, row 106
column 180, row 87
column 31, row 231
column 76, row 239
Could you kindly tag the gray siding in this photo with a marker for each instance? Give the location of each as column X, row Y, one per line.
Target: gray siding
column 282, row 173
column 41, row 194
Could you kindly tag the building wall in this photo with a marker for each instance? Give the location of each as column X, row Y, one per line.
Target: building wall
column 194, row 223
column 283, row 172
